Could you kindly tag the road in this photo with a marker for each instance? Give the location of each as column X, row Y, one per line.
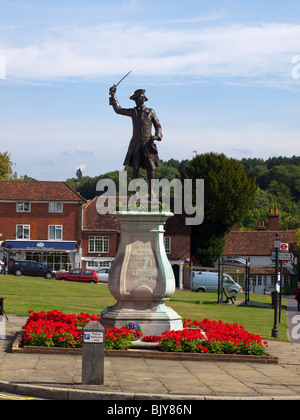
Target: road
column 13, row 397
column 4, row 396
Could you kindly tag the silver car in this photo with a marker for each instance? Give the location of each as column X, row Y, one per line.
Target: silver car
column 103, row 274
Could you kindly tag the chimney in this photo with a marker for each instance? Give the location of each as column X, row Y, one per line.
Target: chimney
column 261, row 225
column 273, row 220
column 236, row 227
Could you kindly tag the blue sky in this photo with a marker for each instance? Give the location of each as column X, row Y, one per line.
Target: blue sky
column 222, row 76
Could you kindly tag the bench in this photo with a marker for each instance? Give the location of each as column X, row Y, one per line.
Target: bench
column 229, row 296
column 2, row 313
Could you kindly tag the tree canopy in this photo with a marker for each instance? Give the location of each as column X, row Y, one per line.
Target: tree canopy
column 228, row 194
column 6, row 171
column 278, row 181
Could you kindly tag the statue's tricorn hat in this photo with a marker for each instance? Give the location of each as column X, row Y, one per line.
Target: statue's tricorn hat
column 137, row 93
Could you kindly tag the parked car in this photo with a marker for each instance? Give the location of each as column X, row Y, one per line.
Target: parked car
column 30, row 268
column 78, row 274
column 208, row 282
column 103, row 274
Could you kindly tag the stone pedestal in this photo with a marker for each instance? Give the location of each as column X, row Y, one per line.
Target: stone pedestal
column 141, row 277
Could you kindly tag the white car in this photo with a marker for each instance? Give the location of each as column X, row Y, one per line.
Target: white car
column 103, row 274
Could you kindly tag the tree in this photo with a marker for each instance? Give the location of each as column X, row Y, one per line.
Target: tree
column 6, row 171
column 228, row 195
column 79, row 174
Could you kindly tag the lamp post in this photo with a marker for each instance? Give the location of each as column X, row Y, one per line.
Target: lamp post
column 277, row 244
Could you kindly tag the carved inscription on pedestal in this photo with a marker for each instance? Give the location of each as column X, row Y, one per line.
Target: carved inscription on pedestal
column 141, row 272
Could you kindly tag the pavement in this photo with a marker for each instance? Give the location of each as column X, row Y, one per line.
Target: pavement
column 58, row 377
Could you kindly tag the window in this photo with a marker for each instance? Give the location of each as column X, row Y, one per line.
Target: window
column 54, row 260
column 98, row 244
column 87, row 273
column 167, row 242
column 23, row 207
column 23, row 231
column 55, row 207
column 55, row 232
column 286, row 281
column 95, row 265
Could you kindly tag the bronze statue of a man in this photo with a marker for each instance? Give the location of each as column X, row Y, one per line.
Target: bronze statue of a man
column 142, row 151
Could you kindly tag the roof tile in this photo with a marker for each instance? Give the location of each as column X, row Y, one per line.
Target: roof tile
column 258, row 242
column 38, row 191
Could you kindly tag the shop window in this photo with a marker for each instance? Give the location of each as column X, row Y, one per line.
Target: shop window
column 95, row 265
column 54, row 260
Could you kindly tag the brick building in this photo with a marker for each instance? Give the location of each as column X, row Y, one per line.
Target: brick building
column 41, row 221
column 258, row 246
column 100, row 239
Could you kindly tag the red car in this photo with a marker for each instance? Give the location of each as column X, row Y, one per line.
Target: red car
column 78, row 274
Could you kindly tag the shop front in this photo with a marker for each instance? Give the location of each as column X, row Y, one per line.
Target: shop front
column 56, row 255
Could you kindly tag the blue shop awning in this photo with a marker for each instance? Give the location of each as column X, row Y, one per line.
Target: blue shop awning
column 42, row 245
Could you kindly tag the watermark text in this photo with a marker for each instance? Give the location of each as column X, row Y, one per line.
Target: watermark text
column 2, row 328
column 187, row 197
column 296, row 328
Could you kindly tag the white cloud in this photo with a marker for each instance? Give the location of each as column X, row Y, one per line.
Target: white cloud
column 2, row 67
column 232, row 51
column 82, row 167
column 75, row 152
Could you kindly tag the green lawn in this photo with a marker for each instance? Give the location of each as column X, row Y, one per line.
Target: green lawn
column 24, row 293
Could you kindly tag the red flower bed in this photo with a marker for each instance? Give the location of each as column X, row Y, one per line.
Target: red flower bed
column 211, row 337
column 55, row 329
column 120, row 338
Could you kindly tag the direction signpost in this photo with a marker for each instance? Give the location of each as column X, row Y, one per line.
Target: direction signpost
column 281, row 256
column 277, row 245
column 285, row 256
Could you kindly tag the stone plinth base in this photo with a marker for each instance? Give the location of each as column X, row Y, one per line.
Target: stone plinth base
column 141, row 277
column 152, row 321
